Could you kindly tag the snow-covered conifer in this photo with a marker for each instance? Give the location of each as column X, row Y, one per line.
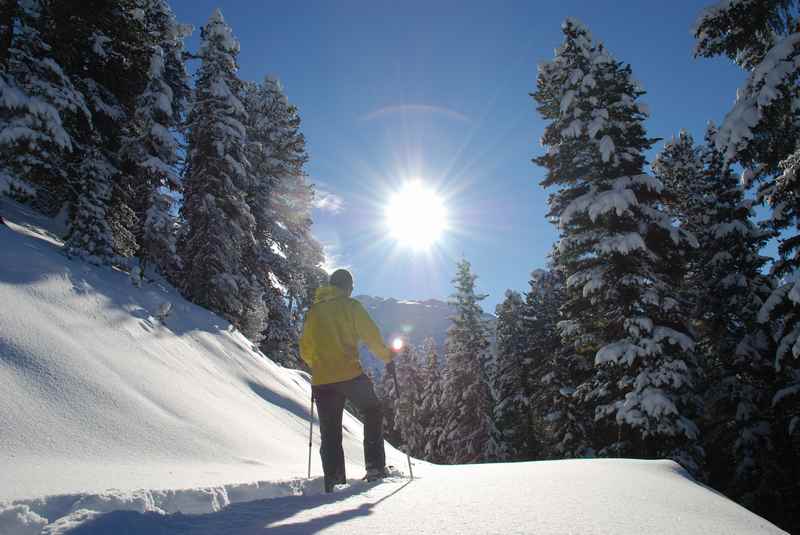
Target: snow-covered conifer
column 97, row 44
column 617, row 251
column 219, row 222
column 728, row 288
column 287, row 257
column 386, row 390
column 761, row 133
column 430, row 412
column 408, row 408
column 555, row 371
column 39, row 107
column 150, row 147
column 515, row 437
column 466, row 397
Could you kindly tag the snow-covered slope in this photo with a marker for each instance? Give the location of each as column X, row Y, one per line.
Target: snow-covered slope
column 96, row 392
column 105, row 407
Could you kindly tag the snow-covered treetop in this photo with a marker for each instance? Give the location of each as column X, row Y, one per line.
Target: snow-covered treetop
column 573, row 24
column 219, row 32
column 591, row 98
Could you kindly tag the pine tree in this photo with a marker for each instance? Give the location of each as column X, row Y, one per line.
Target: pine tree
column 265, row 133
column 515, row 438
column 761, row 134
column 97, row 43
column 150, row 150
column 617, row 249
column 291, row 200
column 386, row 390
column 287, row 256
column 409, row 407
column 466, row 397
column 219, row 223
column 39, row 108
column 728, row 289
column 431, row 417
column 555, row 371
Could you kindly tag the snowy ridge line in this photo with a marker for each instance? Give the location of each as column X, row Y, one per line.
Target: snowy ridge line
column 51, row 515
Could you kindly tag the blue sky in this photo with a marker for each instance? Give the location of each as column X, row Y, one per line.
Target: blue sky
column 440, row 91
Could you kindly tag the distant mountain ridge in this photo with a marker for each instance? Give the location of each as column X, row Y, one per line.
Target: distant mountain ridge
column 413, row 320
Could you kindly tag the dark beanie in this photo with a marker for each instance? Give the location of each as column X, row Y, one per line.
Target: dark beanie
column 341, row 278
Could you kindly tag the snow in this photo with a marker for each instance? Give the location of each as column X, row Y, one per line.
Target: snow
column 42, row 116
column 8, row 184
column 616, row 351
column 774, row 299
column 765, row 84
column 566, row 100
column 598, row 203
column 606, row 147
column 217, row 29
column 675, row 337
column 621, row 243
column 122, row 406
column 101, row 393
column 575, row 496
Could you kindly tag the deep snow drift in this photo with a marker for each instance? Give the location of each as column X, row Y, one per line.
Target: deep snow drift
column 104, row 406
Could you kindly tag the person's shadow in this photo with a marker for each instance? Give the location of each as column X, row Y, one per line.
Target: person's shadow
column 246, row 518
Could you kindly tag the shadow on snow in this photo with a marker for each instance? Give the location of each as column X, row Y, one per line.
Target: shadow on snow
column 246, row 518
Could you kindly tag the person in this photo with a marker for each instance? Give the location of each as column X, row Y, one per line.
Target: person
column 333, row 328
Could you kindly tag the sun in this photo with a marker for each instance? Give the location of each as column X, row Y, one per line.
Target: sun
column 416, row 216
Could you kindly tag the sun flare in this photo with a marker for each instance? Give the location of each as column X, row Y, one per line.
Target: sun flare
column 416, row 216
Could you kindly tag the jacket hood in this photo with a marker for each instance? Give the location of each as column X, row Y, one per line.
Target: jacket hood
column 327, row 293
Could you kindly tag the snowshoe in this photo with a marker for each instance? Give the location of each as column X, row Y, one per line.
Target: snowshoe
column 375, row 474
column 332, row 482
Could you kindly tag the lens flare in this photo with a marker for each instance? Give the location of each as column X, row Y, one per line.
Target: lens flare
column 397, row 344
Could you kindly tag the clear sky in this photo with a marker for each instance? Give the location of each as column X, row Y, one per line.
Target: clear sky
column 439, row 91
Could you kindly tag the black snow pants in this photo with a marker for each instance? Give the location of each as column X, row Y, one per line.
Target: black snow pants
column 330, row 400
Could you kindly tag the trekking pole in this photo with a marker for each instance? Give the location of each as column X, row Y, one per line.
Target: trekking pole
column 310, row 433
column 397, row 395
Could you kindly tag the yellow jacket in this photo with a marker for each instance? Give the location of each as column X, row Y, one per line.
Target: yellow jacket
column 333, row 327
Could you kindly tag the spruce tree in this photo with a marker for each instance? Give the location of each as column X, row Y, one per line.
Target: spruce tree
column 617, row 249
column 559, row 420
column 150, row 149
column 219, row 222
column 430, row 412
column 466, row 398
column 409, row 407
column 515, row 437
column 287, row 257
column 386, row 390
column 290, row 202
column 761, row 134
column 98, row 43
column 727, row 288
column 39, row 109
